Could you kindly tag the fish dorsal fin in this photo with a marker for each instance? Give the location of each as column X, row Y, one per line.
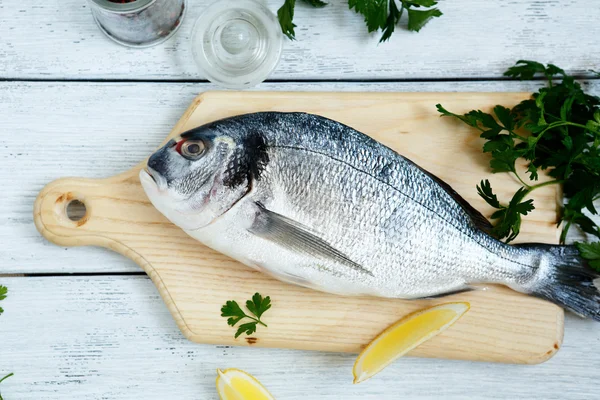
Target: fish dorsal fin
column 292, row 235
column 477, row 217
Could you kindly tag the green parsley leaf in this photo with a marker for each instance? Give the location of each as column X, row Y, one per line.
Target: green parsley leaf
column 508, row 217
column 485, row 190
column 498, row 143
column 504, row 160
column 3, row 294
column 590, row 252
column 422, row 3
column 568, row 143
column 233, row 310
column 392, row 20
column 505, row 117
column 285, row 14
column 257, row 306
column 526, row 70
column 374, row 12
column 565, row 110
column 417, row 19
column 521, row 207
column 248, row 328
column 572, row 213
column 533, row 172
column 509, row 224
column 316, row 3
column 593, row 126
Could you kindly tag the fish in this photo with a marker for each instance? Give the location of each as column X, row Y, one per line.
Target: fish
column 313, row 202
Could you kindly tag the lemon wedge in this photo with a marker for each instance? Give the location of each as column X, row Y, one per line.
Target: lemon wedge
column 405, row 335
column 235, row 384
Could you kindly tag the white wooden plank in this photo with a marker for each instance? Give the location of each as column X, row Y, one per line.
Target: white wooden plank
column 112, row 338
column 53, row 130
column 58, row 39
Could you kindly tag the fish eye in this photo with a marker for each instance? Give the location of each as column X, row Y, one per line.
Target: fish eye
column 192, row 149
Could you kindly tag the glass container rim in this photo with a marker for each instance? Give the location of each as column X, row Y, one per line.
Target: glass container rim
column 136, row 5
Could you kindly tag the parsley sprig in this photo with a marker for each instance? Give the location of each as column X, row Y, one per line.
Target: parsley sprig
column 509, row 215
column 591, row 252
column 257, row 306
column 557, row 130
column 3, row 293
column 382, row 15
column 7, row 376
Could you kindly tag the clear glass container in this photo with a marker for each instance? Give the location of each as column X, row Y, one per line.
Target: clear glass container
column 237, row 43
column 138, row 23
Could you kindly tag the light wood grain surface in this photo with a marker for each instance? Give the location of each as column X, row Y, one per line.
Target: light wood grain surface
column 57, row 39
column 195, row 281
column 110, row 336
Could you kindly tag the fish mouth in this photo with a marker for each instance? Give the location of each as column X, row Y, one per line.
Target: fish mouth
column 159, row 180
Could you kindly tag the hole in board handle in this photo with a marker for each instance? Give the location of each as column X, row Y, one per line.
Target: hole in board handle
column 76, row 210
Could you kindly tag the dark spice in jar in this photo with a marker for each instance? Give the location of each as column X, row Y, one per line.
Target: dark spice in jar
column 138, row 23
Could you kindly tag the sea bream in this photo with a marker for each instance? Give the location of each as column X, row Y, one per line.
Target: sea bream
column 316, row 203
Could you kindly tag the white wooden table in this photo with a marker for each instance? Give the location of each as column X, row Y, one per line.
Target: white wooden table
column 86, row 323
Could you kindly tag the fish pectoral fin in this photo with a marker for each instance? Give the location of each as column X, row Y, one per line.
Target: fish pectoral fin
column 450, row 293
column 292, row 235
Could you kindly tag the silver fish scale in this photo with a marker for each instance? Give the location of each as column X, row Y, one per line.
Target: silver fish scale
column 379, row 209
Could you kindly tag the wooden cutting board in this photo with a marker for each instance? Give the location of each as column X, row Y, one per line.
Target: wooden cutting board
column 194, row 281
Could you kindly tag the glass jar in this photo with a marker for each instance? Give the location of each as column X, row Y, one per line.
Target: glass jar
column 237, row 43
column 138, row 23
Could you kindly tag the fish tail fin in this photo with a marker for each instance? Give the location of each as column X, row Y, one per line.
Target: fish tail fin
column 568, row 280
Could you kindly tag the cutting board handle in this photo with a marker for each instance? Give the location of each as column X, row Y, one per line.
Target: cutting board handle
column 53, row 215
column 52, row 218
